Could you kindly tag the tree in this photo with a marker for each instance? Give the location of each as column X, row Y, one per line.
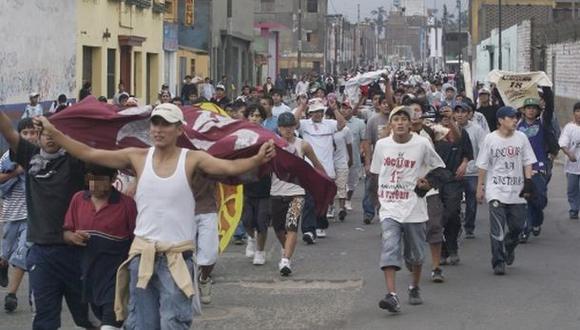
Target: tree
column 379, row 15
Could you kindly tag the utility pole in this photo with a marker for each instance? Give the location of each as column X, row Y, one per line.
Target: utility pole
column 459, row 30
column 358, row 13
column 299, row 36
column 499, row 60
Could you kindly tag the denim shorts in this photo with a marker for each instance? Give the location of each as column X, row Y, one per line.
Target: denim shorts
column 402, row 240
column 14, row 248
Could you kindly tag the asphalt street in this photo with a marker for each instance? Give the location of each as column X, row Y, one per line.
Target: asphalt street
column 337, row 284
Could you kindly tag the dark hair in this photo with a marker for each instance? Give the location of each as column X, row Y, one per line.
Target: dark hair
column 176, row 99
column 123, row 96
column 237, row 104
column 577, row 106
column 99, row 170
column 24, row 124
column 420, row 90
column 245, row 86
column 269, row 99
column 409, row 99
column 400, row 90
column 276, row 91
column 61, row 98
column 103, row 99
column 187, row 77
column 250, row 109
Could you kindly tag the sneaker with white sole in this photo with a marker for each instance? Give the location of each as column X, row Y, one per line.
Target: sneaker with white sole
column 309, row 238
column 320, row 233
column 348, row 205
column 330, row 212
column 205, row 291
column 259, row 258
column 284, row 267
column 250, row 247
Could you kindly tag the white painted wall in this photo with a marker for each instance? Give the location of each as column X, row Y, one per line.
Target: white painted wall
column 510, row 48
column 37, row 49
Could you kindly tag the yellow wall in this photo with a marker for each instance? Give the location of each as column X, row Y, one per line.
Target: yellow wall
column 476, row 4
column 201, row 62
column 94, row 18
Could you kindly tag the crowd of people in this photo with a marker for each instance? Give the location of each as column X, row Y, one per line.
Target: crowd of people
column 421, row 147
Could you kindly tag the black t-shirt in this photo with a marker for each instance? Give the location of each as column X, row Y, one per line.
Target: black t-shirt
column 490, row 115
column 260, row 189
column 187, row 90
column 48, row 192
column 452, row 153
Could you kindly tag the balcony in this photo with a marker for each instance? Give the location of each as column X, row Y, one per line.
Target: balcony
column 158, row 7
column 141, row 4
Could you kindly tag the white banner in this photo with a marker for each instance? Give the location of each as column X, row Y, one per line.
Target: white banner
column 515, row 87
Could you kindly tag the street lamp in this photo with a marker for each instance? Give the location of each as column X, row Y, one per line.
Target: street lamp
column 499, row 34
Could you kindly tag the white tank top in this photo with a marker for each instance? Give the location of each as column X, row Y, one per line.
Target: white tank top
column 283, row 188
column 165, row 206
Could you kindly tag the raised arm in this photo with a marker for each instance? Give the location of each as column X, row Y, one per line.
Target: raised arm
column 119, row 159
column 9, row 133
column 223, row 167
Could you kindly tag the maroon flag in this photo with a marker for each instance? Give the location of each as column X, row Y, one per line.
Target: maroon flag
column 102, row 125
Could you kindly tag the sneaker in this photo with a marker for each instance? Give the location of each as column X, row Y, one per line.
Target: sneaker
column 250, row 247
column 238, row 241
column 3, row 274
column 499, row 269
column 259, row 258
column 205, row 291
column 320, row 233
column 536, row 230
column 284, row 267
column 368, row 219
column 309, row 238
column 469, row 235
column 348, row 205
column 437, row 275
column 330, row 212
column 342, row 214
column 454, row 259
column 391, row 303
column 510, row 255
column 524, row 238
column 444, row 261
column 573, row 215
column 415, row 296
column 10, row 302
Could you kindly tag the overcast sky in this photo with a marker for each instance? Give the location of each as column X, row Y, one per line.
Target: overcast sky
column 349, row 7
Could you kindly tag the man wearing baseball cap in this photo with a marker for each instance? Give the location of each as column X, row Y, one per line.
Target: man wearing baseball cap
column 488, row 109
column 158, row 273
column 220, row 98
column 533, row 125
column 319, row 133
column 505, row 181
column 33, row 109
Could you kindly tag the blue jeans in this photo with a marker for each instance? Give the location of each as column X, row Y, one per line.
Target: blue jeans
column 538, row 203
column 161, row 305
column 573, row 192
column 470, row 186
column 310, row 221
column 240, row 231
column 54, row 273
column 368, row 202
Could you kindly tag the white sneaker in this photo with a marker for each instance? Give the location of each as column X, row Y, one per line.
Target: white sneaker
column 205, row 291
column 284, row 267
column 320, row 233
column 348, row 205
column 250, row 247
column 259, row 258
column 330, row 212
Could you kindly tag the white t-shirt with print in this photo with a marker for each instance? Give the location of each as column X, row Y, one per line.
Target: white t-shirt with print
column 320, row 136
column 504, row 159
column 570, row 138
column 341, row 139
column 399, row 165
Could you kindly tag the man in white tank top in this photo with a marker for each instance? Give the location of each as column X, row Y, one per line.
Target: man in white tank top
column 160, row 264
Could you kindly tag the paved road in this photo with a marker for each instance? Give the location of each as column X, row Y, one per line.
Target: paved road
column 337, row 284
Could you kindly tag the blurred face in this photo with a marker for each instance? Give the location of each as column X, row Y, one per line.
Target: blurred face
column 577, row 116
column 164, row 133
column 449, row 94
column 99, row 185
column 376, row 101
column 277, row 98
column 319, row 94
column 220, row 93
column 384, row 107
column 400, row 125
column 508, row 123
column 246, row 91
column 417, row 113
column 398, row 98
column 346, row 112
column 287, row 132
column 177, row 103
column 461, row 117
column 34, row 100
column 484, row 98
column 459, row 98
column 165, row 97
column 266, row 105
column 256, row 117
column 254, row 93
column 30, row 135
column 317, row 116
column 269, row 80
column 332, row 103
column 47, row 143
column 530, row 112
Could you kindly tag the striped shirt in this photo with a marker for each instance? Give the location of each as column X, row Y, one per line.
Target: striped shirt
column 14, row 203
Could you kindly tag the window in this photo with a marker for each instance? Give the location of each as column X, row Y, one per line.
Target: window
column 87, row 64
column 312, row 6
column 192, row 67
column 229, row 8
column 111, row 53
column 309, row 37
column 267, row 5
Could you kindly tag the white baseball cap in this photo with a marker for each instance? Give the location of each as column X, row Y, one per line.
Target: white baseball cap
column 316, row 104
column 33, row 94
column 170, row 112
column 400, row 109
